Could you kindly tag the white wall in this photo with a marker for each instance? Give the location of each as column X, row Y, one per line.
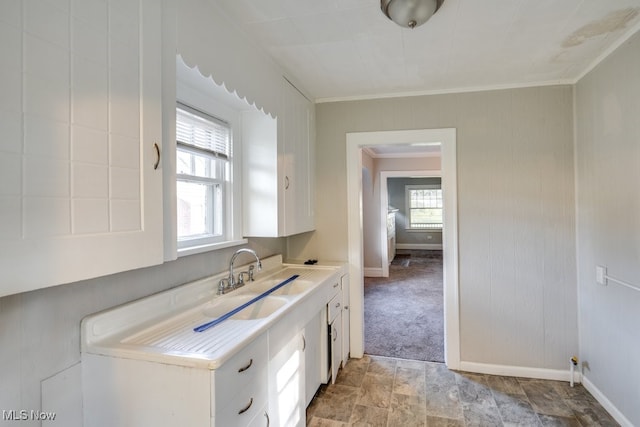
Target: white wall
column 516, row 212
column 608, row 225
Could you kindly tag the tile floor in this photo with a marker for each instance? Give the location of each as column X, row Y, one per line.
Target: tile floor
column 380, row 391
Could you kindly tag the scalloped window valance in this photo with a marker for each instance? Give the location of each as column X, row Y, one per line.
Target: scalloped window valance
column 208, row 41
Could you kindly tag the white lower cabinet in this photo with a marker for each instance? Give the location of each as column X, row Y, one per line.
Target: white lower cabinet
column 313, row 349
column 286, row 383
column 240, row 386
column 270, row 381
column 132, row 393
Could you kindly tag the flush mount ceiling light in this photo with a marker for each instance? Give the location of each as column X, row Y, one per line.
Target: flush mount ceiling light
column 410, row 13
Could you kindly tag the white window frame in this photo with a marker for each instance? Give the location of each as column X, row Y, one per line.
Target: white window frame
column 216, row 211
column 408, row 189
column 231, row 202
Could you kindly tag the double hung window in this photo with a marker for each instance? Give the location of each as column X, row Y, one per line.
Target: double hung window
column 424, row 207
column 203, row 162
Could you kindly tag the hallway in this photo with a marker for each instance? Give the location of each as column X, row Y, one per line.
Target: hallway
column 403, row 314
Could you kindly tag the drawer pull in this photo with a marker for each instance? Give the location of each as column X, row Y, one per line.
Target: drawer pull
column 244, row 368
column 246, row 408
column 157, row 163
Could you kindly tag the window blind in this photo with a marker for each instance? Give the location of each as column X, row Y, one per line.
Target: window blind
column 201, row 132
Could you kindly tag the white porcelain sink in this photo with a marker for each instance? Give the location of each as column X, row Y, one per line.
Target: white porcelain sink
column 258, row 310
column 294, row 287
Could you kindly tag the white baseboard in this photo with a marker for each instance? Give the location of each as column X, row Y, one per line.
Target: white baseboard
column 372, row 272
column 606, row 403
column 419, row 246
column 520, row 371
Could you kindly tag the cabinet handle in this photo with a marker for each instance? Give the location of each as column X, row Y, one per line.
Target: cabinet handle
column 346, row 307
column 157, row 147
column 246, row 408
column 268, row 420
column 335, row 334
column 304, row 343
column 335, row 285
column 244, row 368
column 286, row 182
column 337, row 305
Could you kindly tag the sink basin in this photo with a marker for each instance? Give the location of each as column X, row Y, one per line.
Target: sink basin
column 259, row 309
column 295, row 287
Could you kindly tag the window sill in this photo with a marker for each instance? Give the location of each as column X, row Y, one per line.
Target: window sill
column 210, row 247
column 423, row 230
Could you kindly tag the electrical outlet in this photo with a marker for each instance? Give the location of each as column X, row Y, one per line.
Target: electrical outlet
column 601, row 275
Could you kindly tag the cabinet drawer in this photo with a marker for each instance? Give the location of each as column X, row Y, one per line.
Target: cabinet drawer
column 244, row 407
column 335, row 288
column 334, row 306
column 242, row 369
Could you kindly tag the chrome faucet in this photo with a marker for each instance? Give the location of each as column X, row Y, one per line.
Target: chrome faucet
column 230, row 283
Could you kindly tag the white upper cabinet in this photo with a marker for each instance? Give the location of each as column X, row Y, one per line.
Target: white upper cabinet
column 279, row 168
column 80, row 115
column 298, row 161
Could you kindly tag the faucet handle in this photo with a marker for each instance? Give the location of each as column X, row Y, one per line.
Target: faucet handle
column 223, row 286
column 241, row 277
column 251, row 271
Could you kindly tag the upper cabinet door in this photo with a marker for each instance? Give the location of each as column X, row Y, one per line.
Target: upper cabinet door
column 299, row 162
column 80, row 115
column 279, row 168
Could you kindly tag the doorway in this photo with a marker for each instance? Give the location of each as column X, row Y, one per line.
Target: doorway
column 403, row 301
column 355, row 143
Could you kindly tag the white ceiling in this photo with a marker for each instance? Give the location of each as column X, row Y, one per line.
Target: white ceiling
column 347, row 49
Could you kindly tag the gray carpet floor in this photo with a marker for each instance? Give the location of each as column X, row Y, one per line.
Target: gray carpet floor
column 403, row 314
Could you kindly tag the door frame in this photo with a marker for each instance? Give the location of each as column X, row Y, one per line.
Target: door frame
column 355, row 141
